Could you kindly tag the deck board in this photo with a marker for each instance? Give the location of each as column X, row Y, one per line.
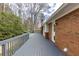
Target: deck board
column 37, row 45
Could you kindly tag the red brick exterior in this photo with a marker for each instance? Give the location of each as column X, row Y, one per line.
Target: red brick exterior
column 67, row 33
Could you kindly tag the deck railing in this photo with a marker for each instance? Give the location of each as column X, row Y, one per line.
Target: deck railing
column 9, row 46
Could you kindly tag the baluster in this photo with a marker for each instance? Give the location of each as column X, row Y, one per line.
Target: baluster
column 4, row 50
column 0, row 50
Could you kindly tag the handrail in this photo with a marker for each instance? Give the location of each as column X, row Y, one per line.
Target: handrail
column 9, row 46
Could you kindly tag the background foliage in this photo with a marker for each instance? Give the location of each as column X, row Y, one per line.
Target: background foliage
column 10, row 26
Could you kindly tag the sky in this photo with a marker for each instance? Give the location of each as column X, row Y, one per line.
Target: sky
column 47, row 14
column 51, row 10
column 54, row 7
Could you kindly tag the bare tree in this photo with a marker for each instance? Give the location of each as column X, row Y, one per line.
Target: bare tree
column 36, row 8
column 31, row 10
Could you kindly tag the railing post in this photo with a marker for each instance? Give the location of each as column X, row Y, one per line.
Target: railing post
column 4, row 50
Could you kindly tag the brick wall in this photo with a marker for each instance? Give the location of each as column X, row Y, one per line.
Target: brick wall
column 67, row 33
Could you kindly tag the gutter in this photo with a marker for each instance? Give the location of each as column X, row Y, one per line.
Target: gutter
column 63, row 10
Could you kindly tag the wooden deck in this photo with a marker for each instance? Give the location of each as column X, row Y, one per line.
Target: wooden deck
column 37, row 45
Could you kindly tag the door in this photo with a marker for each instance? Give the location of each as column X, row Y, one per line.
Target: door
column 42, row 30
column 50, row 31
